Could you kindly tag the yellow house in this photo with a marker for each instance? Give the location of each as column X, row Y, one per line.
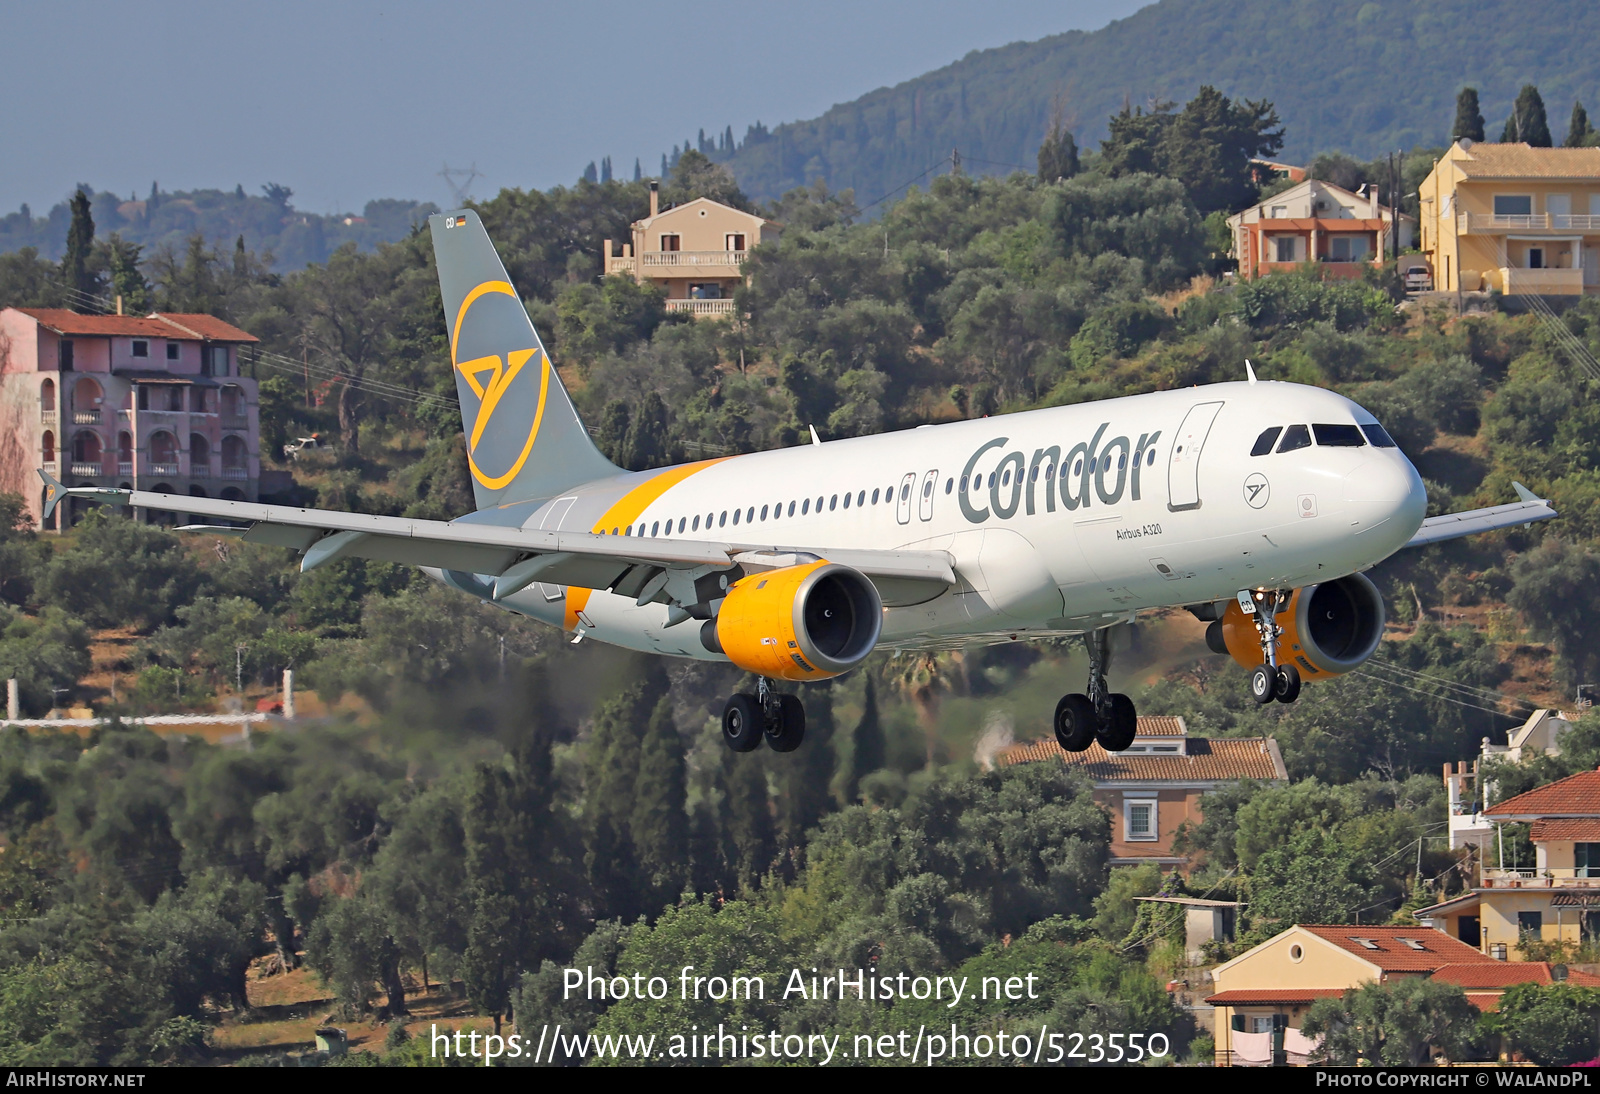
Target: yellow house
column 1514, row 218
column 693, row 251
column 1263, row 994
column 1554, row 898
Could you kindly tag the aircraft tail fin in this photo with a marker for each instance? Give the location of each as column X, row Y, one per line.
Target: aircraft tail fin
column 524, row 438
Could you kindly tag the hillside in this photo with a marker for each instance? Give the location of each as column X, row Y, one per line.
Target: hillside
column 1347, row 75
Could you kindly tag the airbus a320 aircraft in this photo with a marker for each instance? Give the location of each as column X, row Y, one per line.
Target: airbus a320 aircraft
column 1256, row 506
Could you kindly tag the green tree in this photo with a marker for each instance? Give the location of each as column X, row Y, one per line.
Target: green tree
column 1058, row 153
column 1552, row 1025
column 1402, row 1023
column 77, row 273
column 1579, row 132
column 1557, row 589
column 1469, row 118
column 659, row 824
column 1209, row 145
column 1527, row 122
column 869, row 747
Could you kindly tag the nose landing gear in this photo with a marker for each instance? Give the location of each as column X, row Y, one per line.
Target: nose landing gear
column 1100, row 715
column 780, row 720
column 1270, row 680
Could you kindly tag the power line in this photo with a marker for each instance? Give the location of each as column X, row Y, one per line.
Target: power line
column 1468, row 689
column 908, row 182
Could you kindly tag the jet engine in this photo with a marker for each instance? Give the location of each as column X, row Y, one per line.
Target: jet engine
column 806, row 622
column 1328, row 629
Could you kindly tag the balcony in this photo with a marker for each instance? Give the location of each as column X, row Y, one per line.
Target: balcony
column 1494, row 224
column 234, row 421
column 702, row 307
column 86, row 470
column 160, row 469
column 199, row 470
column 721, row 263
column 1539, row 879
column 236, row 472
column 86, row 417
column 48, row 419
column 1548, row 282
column 124, row 469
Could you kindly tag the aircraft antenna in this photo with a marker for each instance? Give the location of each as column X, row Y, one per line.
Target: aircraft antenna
column 1249, row 370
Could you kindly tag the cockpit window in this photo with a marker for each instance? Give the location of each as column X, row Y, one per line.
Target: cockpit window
column 1338, row 436
column 1265, row 442
column 1378, row 435
column 1296, row 436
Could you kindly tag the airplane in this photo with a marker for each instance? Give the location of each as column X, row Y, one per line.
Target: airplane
column 1255, row 505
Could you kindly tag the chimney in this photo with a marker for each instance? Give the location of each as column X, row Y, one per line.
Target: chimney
column 655, row 197
column 119, row 303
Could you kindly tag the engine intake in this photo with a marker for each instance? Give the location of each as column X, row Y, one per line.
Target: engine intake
column 1328, row 629
column 805, row 622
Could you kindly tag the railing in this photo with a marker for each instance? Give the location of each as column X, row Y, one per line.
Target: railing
column 702, row 307
column 624, row 264
column 236, row 472
column 1566, row 878
column 161, row 468
column 47, row 418
column 51, row 466
column 1528, row 222
column 235, row 421
column 693, row 258
column 200, row 470
column 86, row 417
column 89, row 470
column 1515, row 279
column 124, row 468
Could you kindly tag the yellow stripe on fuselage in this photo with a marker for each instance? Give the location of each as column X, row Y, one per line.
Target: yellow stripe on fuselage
column 627, row 508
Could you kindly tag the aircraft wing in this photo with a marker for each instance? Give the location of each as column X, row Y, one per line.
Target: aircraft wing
column 516, row 556
column 1527, row 510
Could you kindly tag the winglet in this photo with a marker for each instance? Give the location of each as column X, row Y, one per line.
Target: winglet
column 1524, row 493
column 53, row 493
column 1249, row 370
column 814, row 438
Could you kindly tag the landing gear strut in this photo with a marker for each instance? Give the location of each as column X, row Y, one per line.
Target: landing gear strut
column 779, row 719
column 1100, row 715
column 1271, row 680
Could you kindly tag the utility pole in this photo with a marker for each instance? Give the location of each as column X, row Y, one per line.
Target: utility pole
column 238, row 667
column 955, row 161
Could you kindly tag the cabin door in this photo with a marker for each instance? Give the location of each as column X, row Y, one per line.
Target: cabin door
column 1183, row 466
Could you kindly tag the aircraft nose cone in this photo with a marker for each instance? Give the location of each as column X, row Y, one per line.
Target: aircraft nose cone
column 1385, row 495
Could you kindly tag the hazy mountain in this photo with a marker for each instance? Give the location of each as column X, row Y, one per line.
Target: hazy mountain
column 1362, row 77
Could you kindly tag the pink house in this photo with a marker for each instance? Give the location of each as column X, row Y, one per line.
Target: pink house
column 150, row 402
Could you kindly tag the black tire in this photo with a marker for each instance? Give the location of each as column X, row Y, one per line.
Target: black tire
column 742, row 727
column 1075, row 723
column 790, row 729
column 1263, row 685
column 1287, row 685
column 1122, row 725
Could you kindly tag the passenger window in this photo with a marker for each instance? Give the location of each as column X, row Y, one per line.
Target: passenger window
column 763, row 512
column 819, row 503
column 722, row 521
column 927, row 489
column 1265, row 442
column 847, row 501
column 791, row 508
column 1049, row 471
column 1151, row 462
column 1338, row 436
column 1378, row 435
column 682, row 521
column 833, row 503
column 736, row 517
column 861, row 499
column 696, row 522
column 875, row 494
column 805, row 507
column 655, row 528
column 750, row 516
column 1296, row 436
column 949, row 485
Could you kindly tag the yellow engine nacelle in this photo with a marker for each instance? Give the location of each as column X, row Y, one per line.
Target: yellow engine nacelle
column 1328, row 629
column 805, row 622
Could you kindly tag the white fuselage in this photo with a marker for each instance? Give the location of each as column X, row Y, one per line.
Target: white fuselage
column 1042, row 544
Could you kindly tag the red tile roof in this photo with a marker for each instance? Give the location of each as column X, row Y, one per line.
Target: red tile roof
column 1390, row 952
column 1584, row 829
column 180, row 326
column 1574, row 796
column 1272, row 995
column 1480, row 975
column 1220, row 759
column 1162, row 725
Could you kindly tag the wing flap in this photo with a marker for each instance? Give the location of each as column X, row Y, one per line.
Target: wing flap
column 1450, row 526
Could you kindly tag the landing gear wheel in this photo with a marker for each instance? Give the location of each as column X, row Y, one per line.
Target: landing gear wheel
column 1075, row 723
column 1286, row 687
column 1263, row 685
column 789, row 728
column 1120, row 726
column 742, row 723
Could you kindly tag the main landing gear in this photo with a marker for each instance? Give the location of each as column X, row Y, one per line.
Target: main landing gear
column 779, row 719
column 1271, row 680
column 1100, row 715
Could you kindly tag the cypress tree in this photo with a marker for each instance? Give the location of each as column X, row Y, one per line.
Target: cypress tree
column 638, row 172
column 611, row 778
column 126, row 280
column 660, row 825
column 605, row 169
column 749, row 839
column 75, row 273
column 1578, row 129
column 1058, row 155
column 591, row 173
column 1469, row 118
column 1528, row 122
column 871, row 749
column 804, row 776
